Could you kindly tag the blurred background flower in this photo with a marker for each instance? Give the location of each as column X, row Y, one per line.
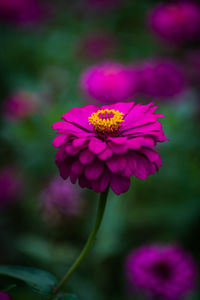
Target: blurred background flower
column 176, row 22
column 162, row 79
column 109, row 82
column 20, row 105
column 4, row 296
column 97, row 45
column 163, row 272
column 22, row 12
column 60, row 200
column 10, row 185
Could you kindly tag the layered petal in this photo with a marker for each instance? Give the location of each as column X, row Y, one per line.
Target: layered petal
column 94, row 170
column 109, row 150
column 79, row 116
column 119, row 184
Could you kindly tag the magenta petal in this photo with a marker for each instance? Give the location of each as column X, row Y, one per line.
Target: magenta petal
column 77, row 142
column 135, row 143
column 96, row 145
column 77, row 131
column 94, row 170
column 138, row 122
column 71, row 150
column 161, row 137
column 127, row 172
column 79, row 116
column 138, row 116
column 69, row 128
column 59, row 125
column 118, row 140
column 73, row 177
column 86, row 157
column 147, row 129
column 83, row 182
column 143, row 168
column 123, row 107
column 119, row 184
column 131, row 164
column 118, row 148
column 77, row 167
column 105, row 154
column 152, row 155
column 59, row 140
column 116, row 163
column 60, row 156
column 148, row 141
column 138, row 142
column 65, row 166
column 101, row 183
column 64, row 171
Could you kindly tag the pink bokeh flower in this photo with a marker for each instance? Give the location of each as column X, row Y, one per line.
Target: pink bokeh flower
column 162, row 79
column 101, row 146
column 60, row 199
column 176, row 22
column 97, row 45
column 109, row 82
column 164, row 272
column 4, row 296
column 10, row 185
column 21, row 12
column 20, row 105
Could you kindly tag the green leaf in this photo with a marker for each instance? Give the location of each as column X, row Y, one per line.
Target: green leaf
column 10, row 287
column 39, row 280
column 66, row 297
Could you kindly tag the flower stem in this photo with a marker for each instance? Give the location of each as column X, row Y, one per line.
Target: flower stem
column 89, row 243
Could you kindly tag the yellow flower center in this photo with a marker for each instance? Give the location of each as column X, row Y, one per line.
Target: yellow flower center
column 106, row 122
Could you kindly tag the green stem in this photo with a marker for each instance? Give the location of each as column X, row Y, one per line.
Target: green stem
column 90, row 241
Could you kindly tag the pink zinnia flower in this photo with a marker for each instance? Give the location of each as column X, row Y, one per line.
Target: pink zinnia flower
column 60, row 199
column 10, row 185
column 4, row 296
column 21, row 12
column 107, row 145
column 109, row 82
column 165, row 272
column 162, row 79
column 20, row 105
column 176, row 22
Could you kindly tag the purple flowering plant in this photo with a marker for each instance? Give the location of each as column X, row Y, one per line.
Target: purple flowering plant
column 162, row 79
column 177, row 22
column 109, row 82
column 102, row 148
column 98, row 148
column 160, row 271
column 4, row 296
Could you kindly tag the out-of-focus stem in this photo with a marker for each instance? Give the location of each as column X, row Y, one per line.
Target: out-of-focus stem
column 89, row 243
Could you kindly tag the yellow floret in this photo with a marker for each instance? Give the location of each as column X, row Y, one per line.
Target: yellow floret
column 109, row 121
